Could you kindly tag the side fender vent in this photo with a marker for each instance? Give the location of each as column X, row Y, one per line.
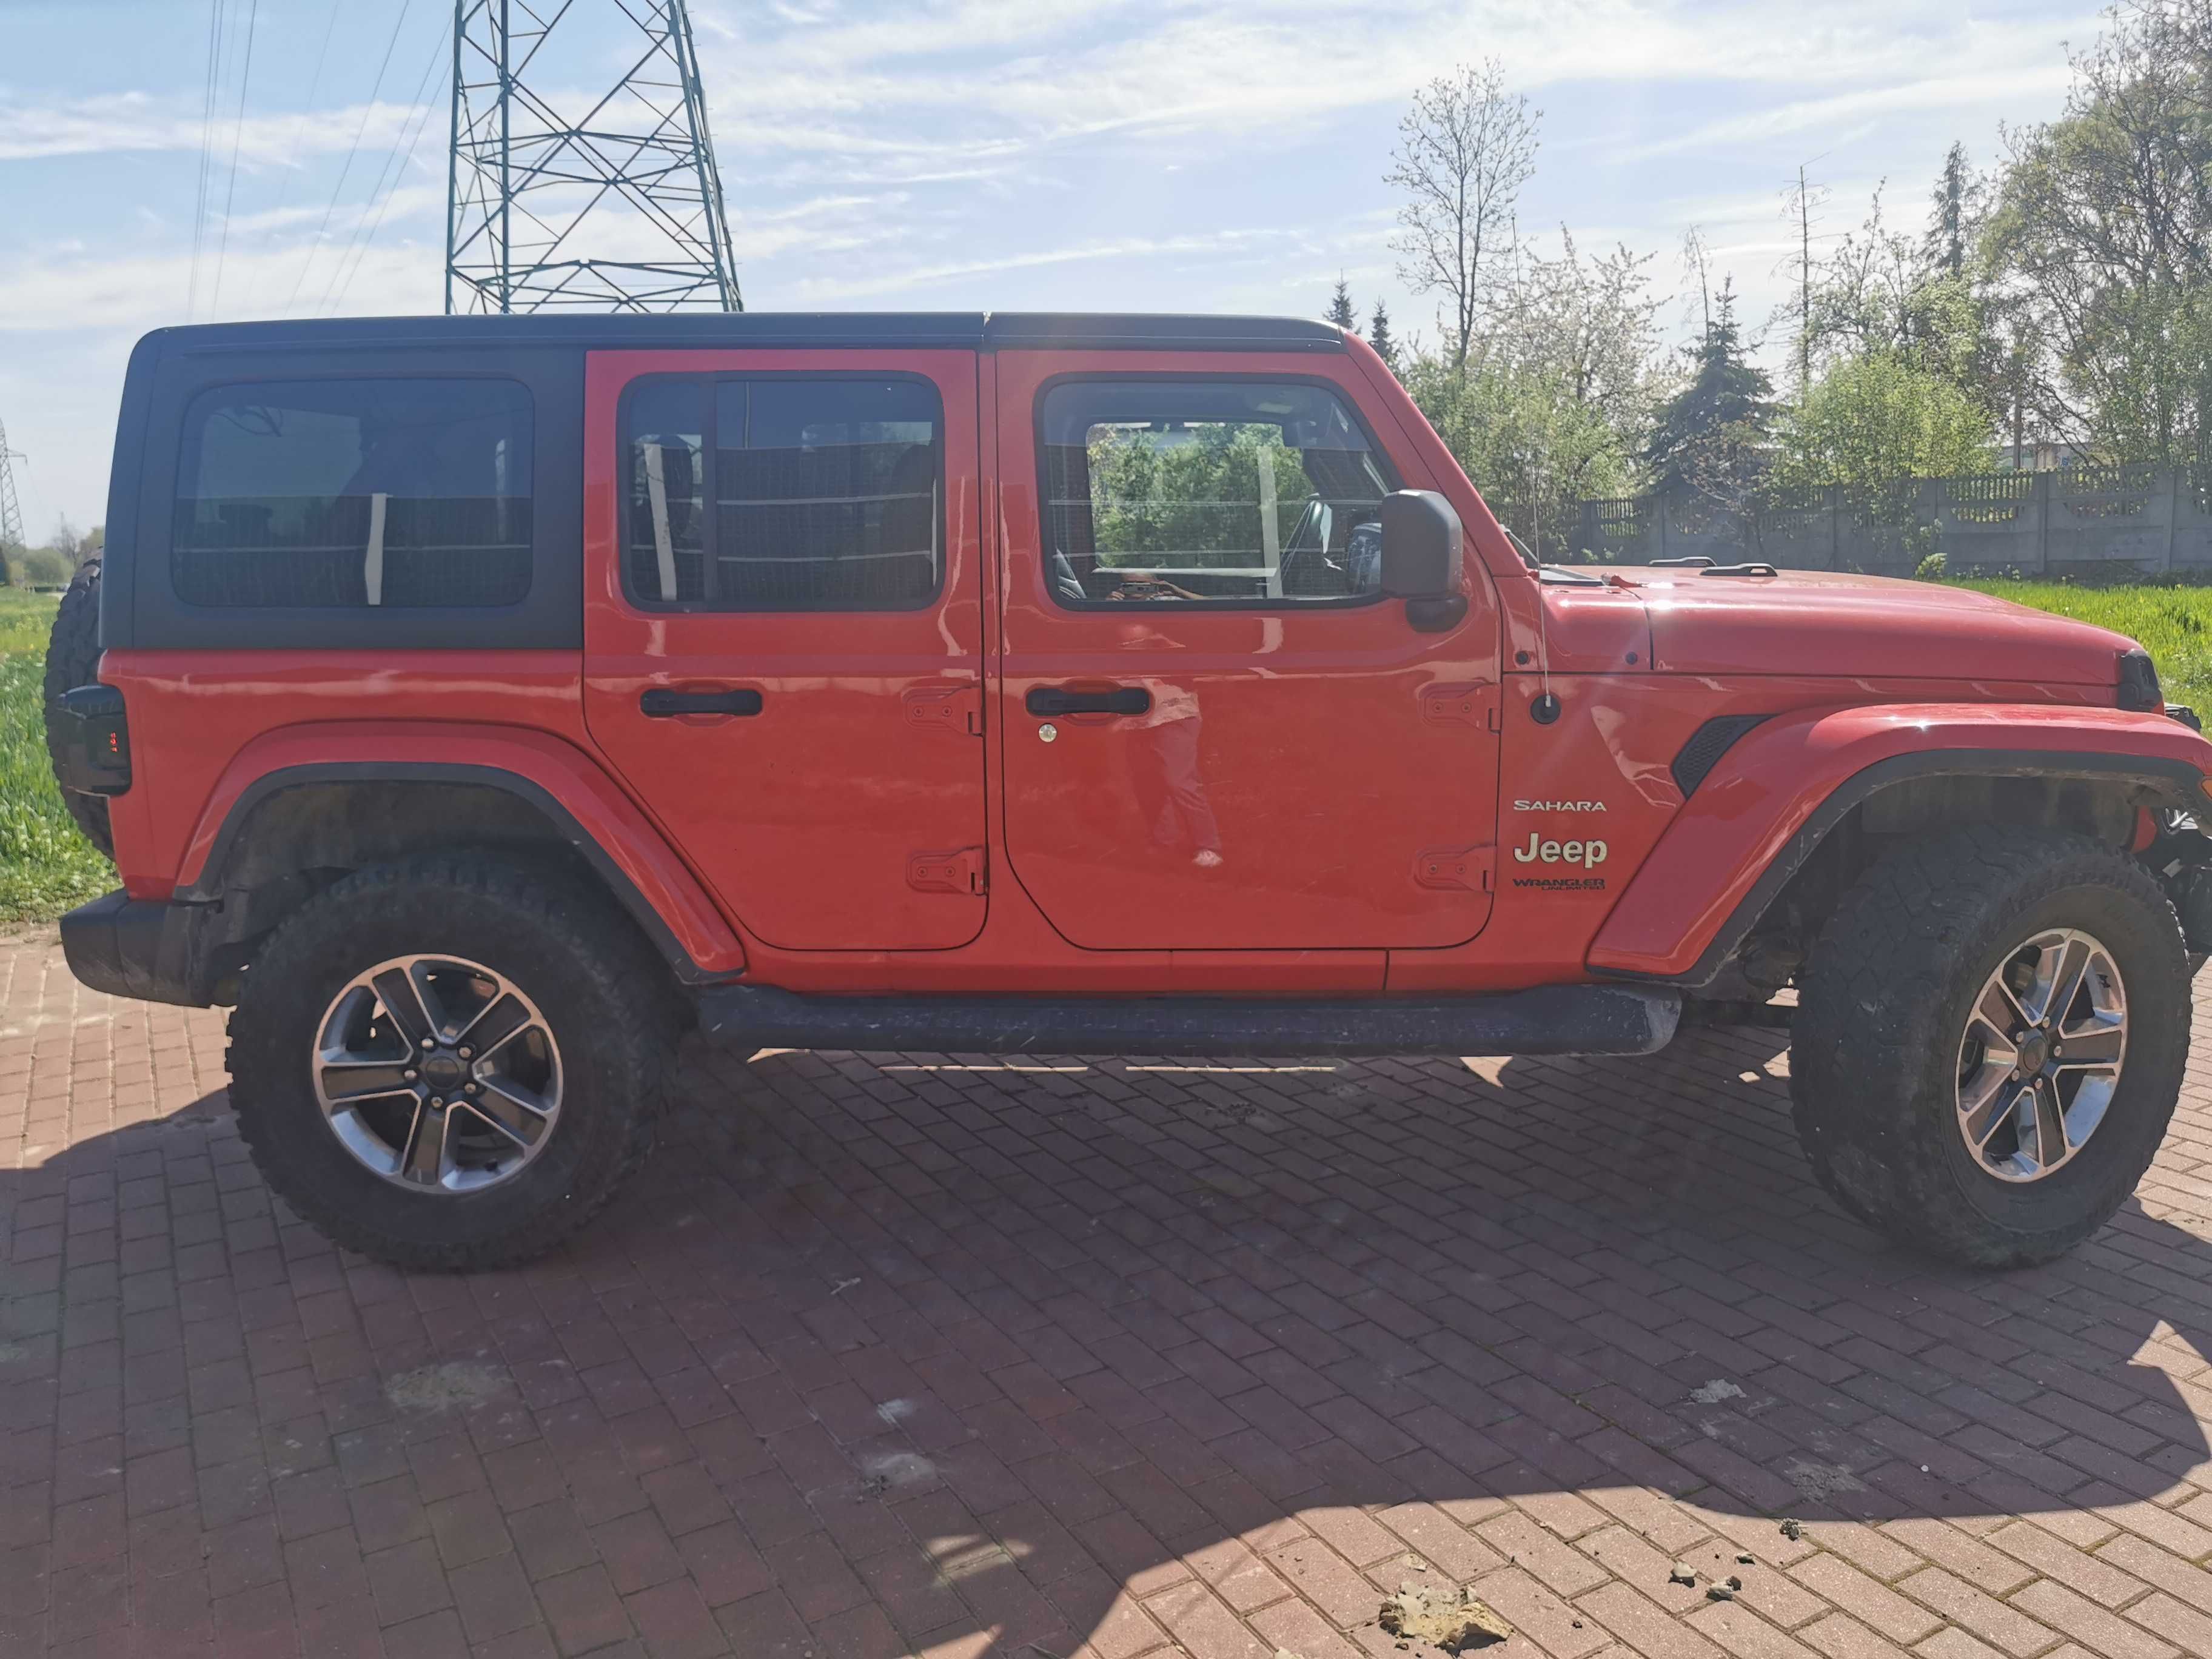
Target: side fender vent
column 1707, row 746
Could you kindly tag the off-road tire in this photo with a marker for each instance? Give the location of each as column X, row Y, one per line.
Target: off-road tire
column 607, row 1000
column 1883, row 1007
column 73, row 659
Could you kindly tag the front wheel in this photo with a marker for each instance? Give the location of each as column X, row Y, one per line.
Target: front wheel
column 450, row 1063
column 1990, row 1042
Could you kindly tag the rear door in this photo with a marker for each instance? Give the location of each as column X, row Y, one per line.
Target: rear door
column 783, row 631
column 1219, row 733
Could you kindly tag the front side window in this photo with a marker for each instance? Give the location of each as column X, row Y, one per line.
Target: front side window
column 826, row 494
column 347, row 493
column 1210, row 492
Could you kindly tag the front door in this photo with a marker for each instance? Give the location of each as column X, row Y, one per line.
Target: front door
column 1218, row 734
column 783, row 632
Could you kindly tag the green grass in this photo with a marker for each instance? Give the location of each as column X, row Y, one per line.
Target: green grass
column 25, row 619
column 46, row 865
column 2174, row 624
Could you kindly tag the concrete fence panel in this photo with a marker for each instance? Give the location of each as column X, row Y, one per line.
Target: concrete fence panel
column 2152, row 520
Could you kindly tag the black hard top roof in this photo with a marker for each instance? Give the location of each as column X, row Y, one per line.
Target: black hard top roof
column 981, row 331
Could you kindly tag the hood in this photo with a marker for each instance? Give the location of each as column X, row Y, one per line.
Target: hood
column 1819, row 623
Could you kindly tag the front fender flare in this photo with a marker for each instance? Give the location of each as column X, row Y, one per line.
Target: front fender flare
column 1763, row 810
column 584, row 803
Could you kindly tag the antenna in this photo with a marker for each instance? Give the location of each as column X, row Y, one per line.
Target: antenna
column 614, row 204
column 11, row 514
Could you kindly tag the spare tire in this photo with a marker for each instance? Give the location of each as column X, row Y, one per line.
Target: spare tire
column 73, row 659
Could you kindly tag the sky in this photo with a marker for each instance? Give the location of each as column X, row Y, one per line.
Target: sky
column 955, row 154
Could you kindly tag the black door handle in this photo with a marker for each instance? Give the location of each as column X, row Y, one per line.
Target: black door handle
column 661, row 704
column 1050, row 699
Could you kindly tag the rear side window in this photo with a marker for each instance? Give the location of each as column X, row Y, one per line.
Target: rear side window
column 783, row 494
column 355, row 493
column 1225, row 492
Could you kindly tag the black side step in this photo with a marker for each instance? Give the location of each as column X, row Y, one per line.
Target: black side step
column 1553, row 1019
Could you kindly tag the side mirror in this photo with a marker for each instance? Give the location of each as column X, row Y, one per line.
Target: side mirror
column 1422, row 544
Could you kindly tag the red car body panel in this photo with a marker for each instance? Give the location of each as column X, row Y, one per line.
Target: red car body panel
column 805, row 820
column 1776, row 777
column 1609, row 754
column 1376, row 787
column 1343, row 764
column 1862, row 626
column 600, row 809
column 193, row 713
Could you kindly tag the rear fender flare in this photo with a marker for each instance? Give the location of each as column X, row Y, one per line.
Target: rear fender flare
column 1765, row 809
column 587, row 808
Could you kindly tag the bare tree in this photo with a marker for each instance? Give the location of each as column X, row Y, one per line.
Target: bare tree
column 74, row 544
column 2100, row 240
column 1464, row 150
column 1589, row 326
column 1861, row 297
column 1698, row 267
column 1802, row 201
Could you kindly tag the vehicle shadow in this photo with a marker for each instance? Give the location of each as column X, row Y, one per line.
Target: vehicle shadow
column 1266, row 1304
column 974, row 1355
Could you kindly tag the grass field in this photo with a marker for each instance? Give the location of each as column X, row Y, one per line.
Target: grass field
column 46, row 865
column 2174, row 624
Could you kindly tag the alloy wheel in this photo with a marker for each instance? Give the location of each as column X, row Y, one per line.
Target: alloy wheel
column 2041, row 1055
column 438, row 1074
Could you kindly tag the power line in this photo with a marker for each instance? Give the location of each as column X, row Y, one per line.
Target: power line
column 422, row 119
column 369, row 109
column 237, row 134
column 299, row 126
column 207, row 149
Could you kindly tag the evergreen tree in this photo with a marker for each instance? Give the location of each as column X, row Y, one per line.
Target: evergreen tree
column 1710, row 435
column 1955, row 217
column 1341, row 312
column 1378, row 335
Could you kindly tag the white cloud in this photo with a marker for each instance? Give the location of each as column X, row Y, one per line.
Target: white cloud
column 993, row 75
column 1828, row 116
column 135, row 292
column 1150, row 154
column 122, row 123
column 922, row 277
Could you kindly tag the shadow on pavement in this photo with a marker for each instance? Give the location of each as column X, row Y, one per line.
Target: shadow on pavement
column 998, row 1349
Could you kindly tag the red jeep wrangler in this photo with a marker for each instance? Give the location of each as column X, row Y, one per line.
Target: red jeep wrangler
column 476, row 703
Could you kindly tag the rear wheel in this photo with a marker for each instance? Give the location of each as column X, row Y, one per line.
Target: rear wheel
column 451, row 1063
column 1990, row 1042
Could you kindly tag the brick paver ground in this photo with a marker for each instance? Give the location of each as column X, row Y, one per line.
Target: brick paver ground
column 919, row 1355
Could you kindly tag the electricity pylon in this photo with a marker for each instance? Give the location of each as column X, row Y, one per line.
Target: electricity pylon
column 11, row 512
column 612, row 205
